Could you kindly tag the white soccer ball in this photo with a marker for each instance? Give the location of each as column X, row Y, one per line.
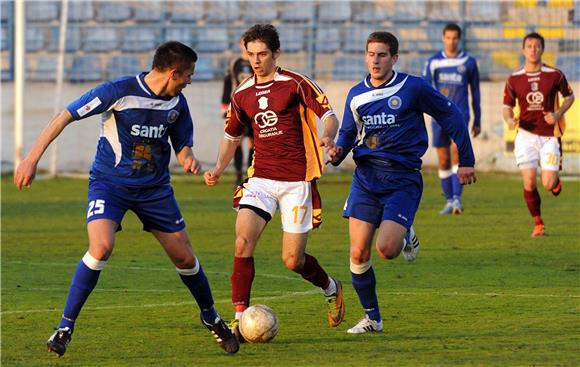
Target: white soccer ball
column 259, row 324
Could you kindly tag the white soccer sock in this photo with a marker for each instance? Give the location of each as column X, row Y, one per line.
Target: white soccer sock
column 331, row 288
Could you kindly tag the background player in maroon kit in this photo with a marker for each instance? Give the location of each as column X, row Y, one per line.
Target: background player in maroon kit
column 282, row 107
column 535, row 88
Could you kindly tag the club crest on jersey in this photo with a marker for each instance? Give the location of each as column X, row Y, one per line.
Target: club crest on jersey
column 172, row 116
column 394, row 102
column 263, row 103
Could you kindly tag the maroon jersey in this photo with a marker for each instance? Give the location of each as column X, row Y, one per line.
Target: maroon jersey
column 536, row 93
column 282, row 113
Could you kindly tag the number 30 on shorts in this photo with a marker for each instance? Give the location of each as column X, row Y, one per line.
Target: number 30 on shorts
column 96, row 207
column 551, row 158
column 297, row 210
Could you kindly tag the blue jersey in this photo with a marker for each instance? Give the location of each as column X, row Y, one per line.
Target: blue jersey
column 134, row 149
column 452, row 77
column 385, row 124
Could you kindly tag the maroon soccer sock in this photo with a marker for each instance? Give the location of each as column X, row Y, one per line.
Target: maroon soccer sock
column 242, row 278
column 313, row 272
column 533, row 201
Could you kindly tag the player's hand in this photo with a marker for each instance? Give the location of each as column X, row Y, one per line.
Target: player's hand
column 466, row 175
column 334, row 154
column 475, row 131
column 551, row 117
column 25, row 173
column 192, row 165
column 327, row 143
column 512, row 123
column 211, row 178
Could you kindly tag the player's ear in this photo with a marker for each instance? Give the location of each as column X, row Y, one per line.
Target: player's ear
column 395, row 58
column 276, row 54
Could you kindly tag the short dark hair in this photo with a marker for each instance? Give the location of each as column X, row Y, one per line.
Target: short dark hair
column 452, row 27
column 173, row 54
column 387, row 38
column 266, row 33
column 533, row 35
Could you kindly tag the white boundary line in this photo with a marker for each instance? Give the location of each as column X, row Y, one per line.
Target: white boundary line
column 287, row 295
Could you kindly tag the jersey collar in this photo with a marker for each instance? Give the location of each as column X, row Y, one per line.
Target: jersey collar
column 384, row 84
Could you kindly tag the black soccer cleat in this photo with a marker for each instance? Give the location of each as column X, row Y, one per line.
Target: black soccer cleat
column 223, row 335
column 58, row 342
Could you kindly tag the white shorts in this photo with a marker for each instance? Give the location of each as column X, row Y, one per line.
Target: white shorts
column 294, row 198
column 533, row 150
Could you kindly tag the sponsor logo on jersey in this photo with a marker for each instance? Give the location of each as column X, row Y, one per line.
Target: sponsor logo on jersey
column 148, row 131
column 382, row 119
column 266, row 119
column 461, row 68
column 535, row 101
column 96, row 102
column 172, row 116
column 394, row 102
column 262, row 92
column 450, row 78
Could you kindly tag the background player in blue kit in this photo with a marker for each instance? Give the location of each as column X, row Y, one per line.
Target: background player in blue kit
column 130, row 172
column 383, row 124
column 452, row 72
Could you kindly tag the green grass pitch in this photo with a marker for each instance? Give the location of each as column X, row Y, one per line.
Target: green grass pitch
column 482, row 292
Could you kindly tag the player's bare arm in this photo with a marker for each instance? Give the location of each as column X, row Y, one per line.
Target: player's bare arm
column 553, row 117
column 330, row 131
column 226, row 153
column 187, row 160
column 26, row 170
column 508, row 117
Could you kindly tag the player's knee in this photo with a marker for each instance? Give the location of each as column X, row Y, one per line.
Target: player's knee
column 549, row 183
column 101, row 253
column 358, row 255
column 293, row 262
column 243, row 246
column 185, row 262
column 389, row 249
column 94, row 263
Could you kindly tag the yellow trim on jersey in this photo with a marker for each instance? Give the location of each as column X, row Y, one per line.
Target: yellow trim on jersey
column 313, row 151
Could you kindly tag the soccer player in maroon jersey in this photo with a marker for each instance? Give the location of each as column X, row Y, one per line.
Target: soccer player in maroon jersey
column 281, row 106
column 535, row 88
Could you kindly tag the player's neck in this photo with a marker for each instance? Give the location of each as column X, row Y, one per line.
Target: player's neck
column 261, row 79
column 533, row 67
column 451, row 54
column 157, row 82
column 379, row 82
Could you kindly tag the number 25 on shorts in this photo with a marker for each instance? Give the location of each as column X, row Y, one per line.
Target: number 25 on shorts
column 299, row 210
column 96, row 207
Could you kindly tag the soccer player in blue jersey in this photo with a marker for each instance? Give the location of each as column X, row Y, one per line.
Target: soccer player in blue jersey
column 384, row 127
column 140, row 114
column 452, row 72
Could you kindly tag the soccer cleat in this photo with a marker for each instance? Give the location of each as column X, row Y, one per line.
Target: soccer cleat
column 223, row 335
column 411, row 245
column 59, row 340
column 456, row 207
column 558, row 189
column 539, row 230
column 447, row 209
column 366, row 325
column 235, row 327
column 335, row 306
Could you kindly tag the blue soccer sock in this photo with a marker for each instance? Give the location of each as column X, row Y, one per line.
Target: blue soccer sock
column 197, row 283
column 457, row 187
column 83, row 282
column 365, row 286
column 446, row 183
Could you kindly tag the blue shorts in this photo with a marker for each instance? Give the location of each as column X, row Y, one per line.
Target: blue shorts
column 156, row 207
column 376, row 196
column 440, row 138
